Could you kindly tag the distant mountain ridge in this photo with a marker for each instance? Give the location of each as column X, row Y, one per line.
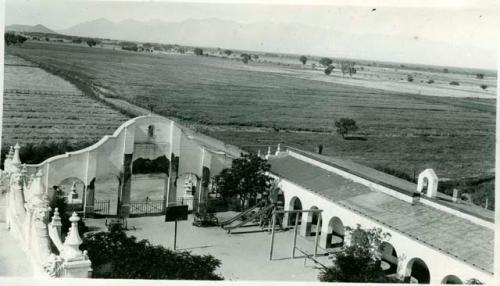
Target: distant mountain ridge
column 29, row 29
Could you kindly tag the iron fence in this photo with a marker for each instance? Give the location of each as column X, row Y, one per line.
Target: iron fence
column 102, row 207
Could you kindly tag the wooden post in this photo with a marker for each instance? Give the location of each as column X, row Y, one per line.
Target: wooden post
column 272, row 237
column 317, row 235
column 175, row 235
column 295, row 231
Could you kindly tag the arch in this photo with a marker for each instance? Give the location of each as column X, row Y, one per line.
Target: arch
column 389, row 258
column 335, row 234
column 311, row 223
column 451, row 279
column 417, row 271
column 295, row 204
column 428, row 183
column 73, row 189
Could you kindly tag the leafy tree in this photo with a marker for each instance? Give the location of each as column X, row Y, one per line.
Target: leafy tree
column 246, row 178
column 77, row 40
column 198, row 52
column 91, row 43
column 303, row 59
column 326, row 61
column 329, row 70
column 228, row 52
column 116, row 255
column 13, row 39
column 245, row 58
column 346, row 125
column 347, row 67
column 359, row 261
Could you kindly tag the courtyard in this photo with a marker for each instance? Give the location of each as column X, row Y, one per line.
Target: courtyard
column 244, row 254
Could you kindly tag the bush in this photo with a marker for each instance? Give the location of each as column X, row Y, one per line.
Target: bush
column 409, row 78
column 326, row 62
column 116, row 255
column 456, row 83
column 198, row 51
column 484, row 86
column 480, row 75
column 430, row 81
column 329, row 70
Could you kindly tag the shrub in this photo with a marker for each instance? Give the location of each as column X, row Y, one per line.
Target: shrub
column 116, row 255
column 409, row 78
column 326, row 62
column 456, row 83
column 480, row 75
column 198, row 51
column 329, row 70
column 484, row 86
column 430, row 81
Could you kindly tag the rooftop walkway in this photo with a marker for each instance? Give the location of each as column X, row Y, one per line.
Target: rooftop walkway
column 443, row 231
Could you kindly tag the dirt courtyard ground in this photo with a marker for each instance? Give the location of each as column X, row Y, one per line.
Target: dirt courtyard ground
column 244, row 256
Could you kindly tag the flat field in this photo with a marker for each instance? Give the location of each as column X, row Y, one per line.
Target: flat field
column 39, row 106
column 265, row 103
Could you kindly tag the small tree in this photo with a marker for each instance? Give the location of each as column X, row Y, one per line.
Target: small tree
column 245, row 58
column 360, row 260
column 329, row 70
column 303, row 59
column 346, row 125
column 13, row 39
column 228, row 52
column 246, row 178
column 326, row 62
column 91, row 43
column 198, row 52
column 347, row 67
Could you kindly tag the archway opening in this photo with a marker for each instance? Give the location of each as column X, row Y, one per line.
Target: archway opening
column 295, row 204
column 335, row 235
column 451, row 279
column 73, row 189
column 149, row 178
column 314, row 222
column 425, row 185
column 417, row 272
column 389, row 258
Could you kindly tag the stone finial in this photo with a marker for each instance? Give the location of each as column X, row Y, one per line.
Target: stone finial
column 278, row 149
column 73, row 241
column 10, row 155
column 56, row 219
column 258, row 153
column 16, row 160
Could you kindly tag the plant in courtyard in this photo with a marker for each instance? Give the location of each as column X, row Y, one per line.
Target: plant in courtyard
column 246, row 178
column 116, row 255
column 360, row 260
column 345, row 125
column 303, row 59
column 58, row 200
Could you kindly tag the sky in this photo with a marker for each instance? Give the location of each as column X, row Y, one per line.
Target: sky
column 466, row 27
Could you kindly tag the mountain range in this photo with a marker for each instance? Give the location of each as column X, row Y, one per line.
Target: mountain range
column 282, row 38
column 27, row 28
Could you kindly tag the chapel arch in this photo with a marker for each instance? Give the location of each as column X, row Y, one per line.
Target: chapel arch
column 417, row 272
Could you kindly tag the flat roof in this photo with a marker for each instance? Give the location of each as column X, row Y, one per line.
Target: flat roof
column 455, row 236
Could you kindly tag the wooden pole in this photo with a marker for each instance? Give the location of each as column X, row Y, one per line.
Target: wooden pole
column 295, row 231
column 318, row 227
column 175, row 235
column 272, row 237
